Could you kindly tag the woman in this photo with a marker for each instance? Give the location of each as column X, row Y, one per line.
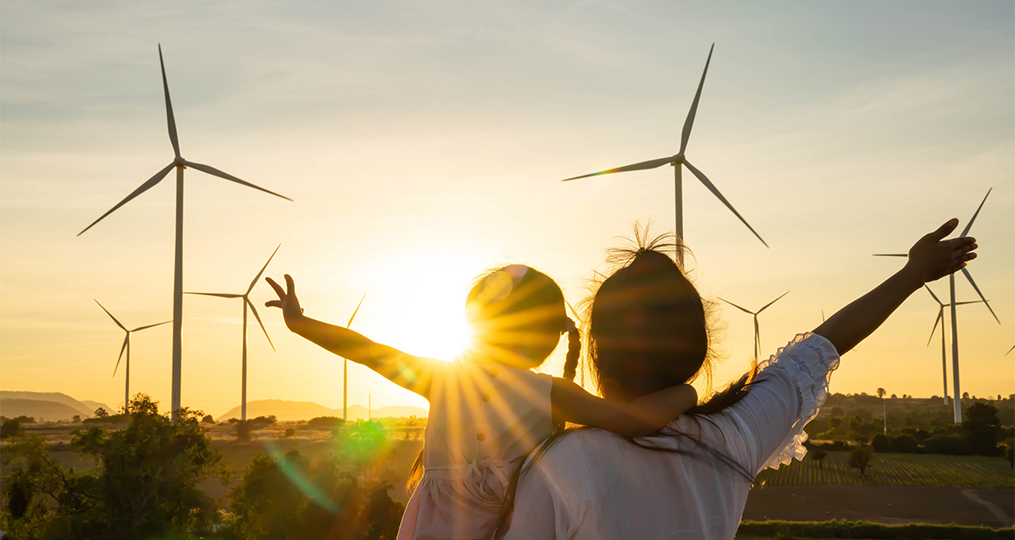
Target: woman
column 647, row 330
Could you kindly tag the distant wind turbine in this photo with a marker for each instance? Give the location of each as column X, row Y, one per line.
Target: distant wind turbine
column 246, row 303
column 676, row 161
column 941, row 319
column 179, row 164
column 126, row 347
column 345, row 367
column 1010, row 350
column 955, row 332
column 754, row 315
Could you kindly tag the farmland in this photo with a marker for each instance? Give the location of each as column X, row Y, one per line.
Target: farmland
column 895, row 470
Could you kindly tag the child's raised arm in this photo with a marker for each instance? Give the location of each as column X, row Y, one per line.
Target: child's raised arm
column 931, row 258
column 641, row 416
column 410, row 372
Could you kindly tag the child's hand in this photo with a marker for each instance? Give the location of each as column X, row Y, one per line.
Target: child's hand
column 291, row 310
column 932, row 258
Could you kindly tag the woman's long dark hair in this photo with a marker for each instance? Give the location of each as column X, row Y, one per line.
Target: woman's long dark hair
column 650, row 295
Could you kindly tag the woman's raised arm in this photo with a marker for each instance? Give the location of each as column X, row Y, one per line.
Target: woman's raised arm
column 931, row 258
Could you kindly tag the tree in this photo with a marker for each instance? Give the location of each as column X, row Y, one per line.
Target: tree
column 1009, row 450
column 11, row 428
column 835, row 423
column 77, row 418
column 144, row 485
column 965, row 395
column 243, row 430
column 880, row 443
column 101, row 413
column 861, row 458
column 819, row 455
column 982, row 427
column 207, row 419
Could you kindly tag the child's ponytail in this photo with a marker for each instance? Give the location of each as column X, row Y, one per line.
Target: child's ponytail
column 574, row 349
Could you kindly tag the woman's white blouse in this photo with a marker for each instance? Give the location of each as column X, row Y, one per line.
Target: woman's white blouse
column 593, row 484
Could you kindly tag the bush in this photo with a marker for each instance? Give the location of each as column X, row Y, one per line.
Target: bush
column 208, row 420
column 905, row 444
column 11, row 428
column 325, row 422
column 947, row 444
column 289, row 432
column 819, row 455
column 880, row 443
column 242, row 430
column 861, row 458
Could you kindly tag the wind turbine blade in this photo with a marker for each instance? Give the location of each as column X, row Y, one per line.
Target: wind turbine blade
column 169, row 108
column 219, row 295
column 715, row 191
column 970, row 302
column 258, row 317
column 757, row 336
column 939, row 319
column 574, row 312
column 977, row 289
column 355, row 311
column 636, row 167
column 1010, row 350
column 891, row 255
column 970, row 224
column 686, row 134
column 822, row 315
column 215, row 172
column 122, row 327
column 258, row 276
column 936, row 299
column 772, row 302
column 738, row 307
column 123, row 348
column 138, row 329
column 143, row 188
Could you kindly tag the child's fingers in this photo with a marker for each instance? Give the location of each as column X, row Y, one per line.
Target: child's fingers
column 273, row 303
column 944, row 230
column 290, row 287
column 276, row 286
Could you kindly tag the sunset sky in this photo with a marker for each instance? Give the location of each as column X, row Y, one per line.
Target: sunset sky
column 424, row 142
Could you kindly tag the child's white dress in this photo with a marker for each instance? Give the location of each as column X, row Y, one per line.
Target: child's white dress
column 484, row 419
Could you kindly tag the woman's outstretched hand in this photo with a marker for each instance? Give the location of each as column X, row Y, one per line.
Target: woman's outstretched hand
column 287, row 301
column 933, row 258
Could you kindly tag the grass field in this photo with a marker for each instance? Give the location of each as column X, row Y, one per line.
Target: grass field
column 896, row 470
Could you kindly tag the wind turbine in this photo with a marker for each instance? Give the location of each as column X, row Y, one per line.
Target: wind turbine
column 126, row 347
column 677, row 161
column 345, row 367
column 246, row 303
column 179, row 164
column 941, row 318
column 754, row 315
column 955, row 332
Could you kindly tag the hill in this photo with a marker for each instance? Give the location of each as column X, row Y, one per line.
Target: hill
column 92, row 405
column 49, row 411
column 289, row 411
column 55, row 397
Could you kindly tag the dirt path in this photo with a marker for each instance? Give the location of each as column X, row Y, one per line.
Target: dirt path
column 990, row 507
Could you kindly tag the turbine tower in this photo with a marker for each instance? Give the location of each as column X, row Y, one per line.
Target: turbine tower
column 941, row 319
column 345, row 368
column 246, row 303
column 754, row 315
column 179, row 164
column 956, row 393
column 677, row 161
column 126, row 347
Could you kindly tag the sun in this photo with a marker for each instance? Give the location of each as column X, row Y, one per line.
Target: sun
column 421, row 305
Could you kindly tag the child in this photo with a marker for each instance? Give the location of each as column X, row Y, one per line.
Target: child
column 487, row 410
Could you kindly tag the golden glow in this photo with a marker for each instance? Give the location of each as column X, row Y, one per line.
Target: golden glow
column 420, row 305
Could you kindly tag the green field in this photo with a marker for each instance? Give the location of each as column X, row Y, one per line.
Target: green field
column 896, row 470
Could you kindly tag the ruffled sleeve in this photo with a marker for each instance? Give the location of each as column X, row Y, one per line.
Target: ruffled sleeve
column 807, row 362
